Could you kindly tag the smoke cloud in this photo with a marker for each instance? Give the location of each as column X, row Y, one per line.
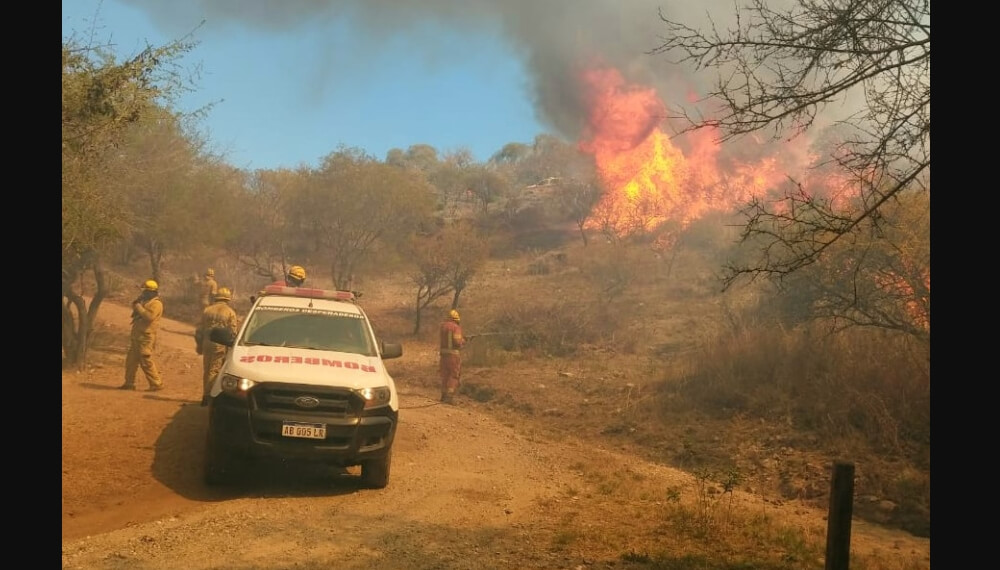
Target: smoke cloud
column 556, row 39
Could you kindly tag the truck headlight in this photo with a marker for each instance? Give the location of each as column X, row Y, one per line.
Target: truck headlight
column 236, row 385
column 375, row 397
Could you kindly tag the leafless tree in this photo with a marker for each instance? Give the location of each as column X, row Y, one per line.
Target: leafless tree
column 779, row 68
column 577, row 199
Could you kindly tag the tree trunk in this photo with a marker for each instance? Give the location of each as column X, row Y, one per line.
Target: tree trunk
column 673, row 256
column 416, row 318
column 76, row 330
column 69, row 328
column 454, row 298
column 78, row 326
column 124, row 253
column 342, row 272
column 156, row 260
column 583, row 234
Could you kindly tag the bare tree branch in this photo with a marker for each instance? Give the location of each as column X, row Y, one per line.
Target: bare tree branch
column 778, row 69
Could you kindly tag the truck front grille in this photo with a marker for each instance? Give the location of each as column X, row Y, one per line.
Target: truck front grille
column 297, row 398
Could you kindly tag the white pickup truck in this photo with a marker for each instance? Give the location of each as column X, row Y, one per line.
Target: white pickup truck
column 303, row 380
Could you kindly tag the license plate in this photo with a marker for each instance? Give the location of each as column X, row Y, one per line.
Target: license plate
column 308, row 431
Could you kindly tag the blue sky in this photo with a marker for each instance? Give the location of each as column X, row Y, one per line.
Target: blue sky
column 288, row 98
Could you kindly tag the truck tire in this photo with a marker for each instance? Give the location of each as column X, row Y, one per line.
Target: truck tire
column 219, row 465
column 375, row 472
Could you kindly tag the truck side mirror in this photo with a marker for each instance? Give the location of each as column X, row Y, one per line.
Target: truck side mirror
column 390, row 350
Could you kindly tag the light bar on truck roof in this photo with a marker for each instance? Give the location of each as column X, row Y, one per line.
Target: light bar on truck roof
column 309, row 292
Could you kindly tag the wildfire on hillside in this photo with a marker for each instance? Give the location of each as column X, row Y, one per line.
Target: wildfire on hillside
column 649, row 180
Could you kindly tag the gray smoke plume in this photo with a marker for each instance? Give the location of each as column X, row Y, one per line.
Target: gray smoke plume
column 553, row 37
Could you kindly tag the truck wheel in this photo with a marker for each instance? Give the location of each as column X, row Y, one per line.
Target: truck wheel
column 375, row 472
column 219, row 465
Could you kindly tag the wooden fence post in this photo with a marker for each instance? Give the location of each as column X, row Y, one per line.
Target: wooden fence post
column 838, row 528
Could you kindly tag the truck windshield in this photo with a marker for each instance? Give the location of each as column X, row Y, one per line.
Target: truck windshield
column 333, row 331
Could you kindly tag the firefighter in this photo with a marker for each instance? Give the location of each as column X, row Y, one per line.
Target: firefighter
column 451, row 358
column 146, row 312
column 217, row 315
column 296, row 276
column 209, row 287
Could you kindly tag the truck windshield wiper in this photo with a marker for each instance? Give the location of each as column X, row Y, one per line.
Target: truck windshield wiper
column 251, row 343
column 281, row 344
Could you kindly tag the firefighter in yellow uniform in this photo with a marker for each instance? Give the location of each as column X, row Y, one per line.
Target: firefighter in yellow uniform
column 209, row 288
column 296, row 277
column 147, row 310
column 451, row 359
column 217, row 315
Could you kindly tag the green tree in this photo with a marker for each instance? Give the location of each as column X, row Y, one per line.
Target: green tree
column 511, row 154
column 467, row 252
column 549, row 158
column 357, row 204
column 101, row 99
column 444, row 264
column 429, row 276
column 266, row 235
column 422, row 157
column 156, row 170
column 486, row 186
column 449, row 178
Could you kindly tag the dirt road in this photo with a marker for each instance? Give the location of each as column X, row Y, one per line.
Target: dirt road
column 467, row 489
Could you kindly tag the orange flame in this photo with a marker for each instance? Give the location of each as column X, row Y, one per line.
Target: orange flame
column 649, row 180
column 916, row 305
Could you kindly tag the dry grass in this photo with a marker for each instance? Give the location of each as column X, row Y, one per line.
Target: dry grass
column 636, row 350
column 862, row 394
column 626, row 513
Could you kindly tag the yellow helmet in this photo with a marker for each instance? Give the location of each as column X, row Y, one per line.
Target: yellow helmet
column 297, row 272
column 223, row 294
column 209, row 272
column 150, row 285
column 453, row 315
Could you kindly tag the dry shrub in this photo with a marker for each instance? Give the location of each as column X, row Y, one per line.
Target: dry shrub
column 539, row 267
column 882, row 379
column 557, row 326
column 508, row 244
column 865, row 392
column 547, row 263
column 871, row 383
column 581, row 301
column 629, row 339
column 713, row 235
column 119, row 286
column 612, row 270
column 488, row 352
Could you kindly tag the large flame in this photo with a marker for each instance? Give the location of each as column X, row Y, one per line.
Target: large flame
column 649, row 180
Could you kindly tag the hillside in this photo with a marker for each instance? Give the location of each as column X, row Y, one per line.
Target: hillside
column 546, row 462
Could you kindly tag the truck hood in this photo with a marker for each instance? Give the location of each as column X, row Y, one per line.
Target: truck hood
column 303, row 366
